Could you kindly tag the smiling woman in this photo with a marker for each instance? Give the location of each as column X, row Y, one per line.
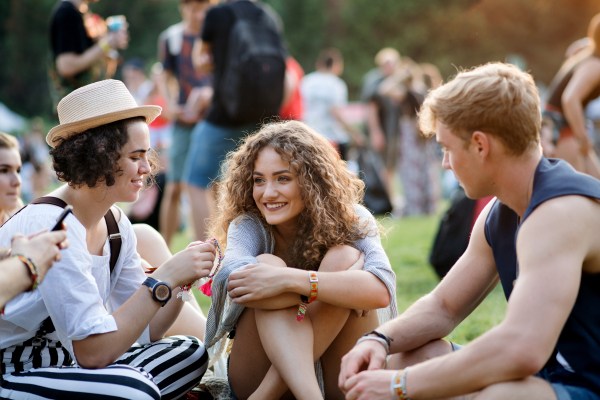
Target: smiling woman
column 95, row 311
column 10, row 177
column 303, row 266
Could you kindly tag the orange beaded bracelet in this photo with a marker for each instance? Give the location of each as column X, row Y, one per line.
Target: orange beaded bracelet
column 314, row 289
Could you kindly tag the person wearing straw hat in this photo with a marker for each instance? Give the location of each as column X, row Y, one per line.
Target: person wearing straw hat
column 86, row 330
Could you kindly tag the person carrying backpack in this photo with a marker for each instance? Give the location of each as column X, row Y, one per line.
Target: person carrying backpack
column 242, row 45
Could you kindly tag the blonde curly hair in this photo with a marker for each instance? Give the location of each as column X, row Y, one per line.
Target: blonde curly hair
column 329, row 191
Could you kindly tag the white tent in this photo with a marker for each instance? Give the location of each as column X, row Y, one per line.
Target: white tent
column 11, row 121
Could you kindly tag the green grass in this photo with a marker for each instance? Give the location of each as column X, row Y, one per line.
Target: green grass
column 407, row 245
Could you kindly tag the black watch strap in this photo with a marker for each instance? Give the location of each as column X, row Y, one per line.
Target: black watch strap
column 381, row 335
column 150, row 282
column 155, row 286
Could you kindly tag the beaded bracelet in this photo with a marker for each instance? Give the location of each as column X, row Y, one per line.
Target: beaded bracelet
column 314, row 289
column 204, row 284
column 33, row 270
column 398, row 385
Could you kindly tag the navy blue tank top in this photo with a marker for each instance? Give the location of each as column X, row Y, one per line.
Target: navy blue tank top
column 579, row 341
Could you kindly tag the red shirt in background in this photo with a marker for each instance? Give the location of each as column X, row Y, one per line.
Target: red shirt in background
column 293, row 109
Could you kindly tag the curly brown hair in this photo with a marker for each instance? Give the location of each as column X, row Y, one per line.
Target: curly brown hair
column 329, row 191
column 92, row 157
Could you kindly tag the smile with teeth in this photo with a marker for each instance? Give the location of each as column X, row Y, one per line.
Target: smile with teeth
column 275, row 206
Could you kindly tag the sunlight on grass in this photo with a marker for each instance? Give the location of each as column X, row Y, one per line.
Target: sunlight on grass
column 407, row 244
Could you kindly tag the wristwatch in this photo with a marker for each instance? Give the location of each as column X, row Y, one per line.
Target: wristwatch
column 161, row 291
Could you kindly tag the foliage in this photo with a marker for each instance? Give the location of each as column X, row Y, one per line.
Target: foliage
column 447, row 33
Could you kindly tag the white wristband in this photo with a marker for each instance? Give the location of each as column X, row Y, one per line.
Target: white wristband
column 377, row 339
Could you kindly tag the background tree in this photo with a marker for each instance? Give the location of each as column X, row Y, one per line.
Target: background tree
column 447, row 33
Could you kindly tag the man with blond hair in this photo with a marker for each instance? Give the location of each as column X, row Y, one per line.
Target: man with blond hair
column 538, row 238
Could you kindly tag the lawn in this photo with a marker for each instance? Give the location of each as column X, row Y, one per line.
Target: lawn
column 407, row 245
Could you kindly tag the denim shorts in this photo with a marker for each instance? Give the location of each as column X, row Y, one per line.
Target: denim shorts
column 209, row 146
column 567, row 385
column 178, row 152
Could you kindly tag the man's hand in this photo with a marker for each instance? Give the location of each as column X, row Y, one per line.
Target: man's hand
column 118, row 39
column 369, row 385
column 369, row 355
column 42, row 247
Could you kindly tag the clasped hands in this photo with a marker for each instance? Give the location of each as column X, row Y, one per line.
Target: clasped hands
column 362, row 376
column 262, row 281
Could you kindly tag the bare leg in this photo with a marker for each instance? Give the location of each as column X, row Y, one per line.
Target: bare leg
column 169, row 211
column 150, row 245
column 154, row 252
column 430, row 350
column 531, row 388
column 202, row 204
column 334, row 329
column 191, row 321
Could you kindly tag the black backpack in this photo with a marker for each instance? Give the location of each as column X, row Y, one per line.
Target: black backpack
column 453, row 235
column 251, row 87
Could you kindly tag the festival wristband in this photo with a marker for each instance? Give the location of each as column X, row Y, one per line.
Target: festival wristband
column 387, row 339
column 375, row 339
column 398, row 385
column 104, row 45
column 33, row 270
column 314, row 289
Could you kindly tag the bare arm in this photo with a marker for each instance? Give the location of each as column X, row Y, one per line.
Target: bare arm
column 355, row 134
column 374, row 125
column 202, row 56
column 585, row 77
column 42, row 248
column 433, row 316
column 262, row 286
column 393, row 85
column 70, row 64
column 100, row 350
column 467, row 284
column 551, row 247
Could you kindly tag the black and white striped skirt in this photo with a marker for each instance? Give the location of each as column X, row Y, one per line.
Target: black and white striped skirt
column 43, row 369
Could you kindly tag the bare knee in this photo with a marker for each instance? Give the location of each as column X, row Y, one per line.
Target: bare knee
column 530, row 388
column 339, row 258
column 151, row 245
column 430, row 350
column 271, row 260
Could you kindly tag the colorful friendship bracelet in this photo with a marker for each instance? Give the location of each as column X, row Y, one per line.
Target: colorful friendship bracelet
column 314, row 290
column 398, row 385
column 33, row 270
column 204, row 284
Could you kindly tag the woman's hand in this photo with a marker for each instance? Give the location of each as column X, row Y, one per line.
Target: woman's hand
column 42, row 247
column 258, row 281
column 189, row 265
column 358, row 265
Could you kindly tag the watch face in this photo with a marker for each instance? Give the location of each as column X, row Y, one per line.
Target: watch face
column 162, row 292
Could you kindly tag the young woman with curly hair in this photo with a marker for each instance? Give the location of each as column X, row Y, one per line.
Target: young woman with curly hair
column 95, row 325
column 288, row 206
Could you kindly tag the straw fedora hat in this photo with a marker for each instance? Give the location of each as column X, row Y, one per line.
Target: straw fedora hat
column 97, row 104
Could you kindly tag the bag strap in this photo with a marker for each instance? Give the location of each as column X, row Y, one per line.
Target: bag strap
column 114, row 236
